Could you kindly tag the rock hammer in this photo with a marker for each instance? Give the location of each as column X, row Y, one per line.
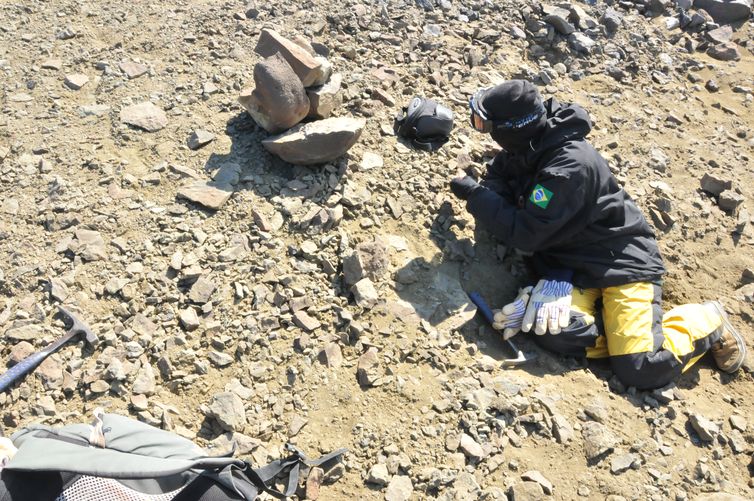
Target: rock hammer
column 27, row 365
column 486, row 312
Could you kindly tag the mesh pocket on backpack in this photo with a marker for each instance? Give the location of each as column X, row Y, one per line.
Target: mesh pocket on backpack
column 89, row 488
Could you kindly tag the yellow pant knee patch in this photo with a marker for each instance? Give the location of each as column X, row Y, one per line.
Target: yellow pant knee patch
column 628, row 315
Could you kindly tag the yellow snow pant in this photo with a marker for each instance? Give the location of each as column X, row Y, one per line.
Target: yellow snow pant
column 646, row 348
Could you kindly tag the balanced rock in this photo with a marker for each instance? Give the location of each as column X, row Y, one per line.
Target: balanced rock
column 558, row 18
column 535, row 476
column 278, row 101
column 714, row 184
column 706, row 429
column 725, row 11
column 324, row 99
column 729, row 200
column 316, row 142
column 471, row 447
column 144, row 115
column 306, row 67
column 581, row 42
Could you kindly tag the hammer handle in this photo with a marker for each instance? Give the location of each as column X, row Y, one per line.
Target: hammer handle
column 31, row 362
column 485, row 310
column 21, row 369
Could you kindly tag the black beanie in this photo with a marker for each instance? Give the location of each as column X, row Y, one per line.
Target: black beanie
column 518, row 101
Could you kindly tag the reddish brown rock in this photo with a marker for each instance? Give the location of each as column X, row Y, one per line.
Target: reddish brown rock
column 279, row 100
column 306, row 67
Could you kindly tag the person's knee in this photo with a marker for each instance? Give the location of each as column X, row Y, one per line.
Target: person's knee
column 632, row 370
column 560, row 343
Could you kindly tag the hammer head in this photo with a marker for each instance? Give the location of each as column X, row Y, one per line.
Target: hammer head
column 521, row 357
column 79, row 327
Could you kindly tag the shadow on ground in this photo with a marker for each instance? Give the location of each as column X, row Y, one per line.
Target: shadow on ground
column 439, row 295
column 264, row 174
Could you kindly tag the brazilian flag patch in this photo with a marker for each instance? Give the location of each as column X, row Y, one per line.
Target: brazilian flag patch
column 541, row 196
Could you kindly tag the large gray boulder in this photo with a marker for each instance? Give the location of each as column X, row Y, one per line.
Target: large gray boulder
column 316, row 142
column 279, row 100
column 726, row 11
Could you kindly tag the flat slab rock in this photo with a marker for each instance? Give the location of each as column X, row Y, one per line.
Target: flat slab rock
column 400, row 488
column 144, row 115
column 209, row 194
column 725, row 11
column 133, row 69
column 199, row 138
column 443, row 302
column 76, row 81
column 316, row 142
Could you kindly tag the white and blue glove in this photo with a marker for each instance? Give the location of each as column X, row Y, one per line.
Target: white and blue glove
column 509, row 318
column 549, row 307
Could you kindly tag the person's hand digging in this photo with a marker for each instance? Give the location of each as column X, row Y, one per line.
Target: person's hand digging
column 509, row 318
column 462, row 185
column 549, row 307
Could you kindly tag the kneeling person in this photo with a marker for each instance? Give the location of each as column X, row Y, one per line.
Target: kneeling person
column 551, row 194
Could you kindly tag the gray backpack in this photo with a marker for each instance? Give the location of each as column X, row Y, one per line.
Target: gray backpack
column 119, row 459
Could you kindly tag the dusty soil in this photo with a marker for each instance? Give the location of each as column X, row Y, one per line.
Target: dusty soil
column 68, row 166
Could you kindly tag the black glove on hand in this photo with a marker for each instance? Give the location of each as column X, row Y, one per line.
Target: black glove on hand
column 462, row 187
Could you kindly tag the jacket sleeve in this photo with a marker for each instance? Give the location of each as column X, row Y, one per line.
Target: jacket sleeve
column 494, row 179
column 556, row 212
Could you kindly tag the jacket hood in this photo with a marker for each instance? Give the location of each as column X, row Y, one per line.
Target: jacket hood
column 564, row 123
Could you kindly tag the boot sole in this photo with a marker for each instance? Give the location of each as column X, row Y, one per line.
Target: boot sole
column 736, row 335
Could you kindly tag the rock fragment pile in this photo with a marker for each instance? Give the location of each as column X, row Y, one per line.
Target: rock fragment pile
column 293, row 82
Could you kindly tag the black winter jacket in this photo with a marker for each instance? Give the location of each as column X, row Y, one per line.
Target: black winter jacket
column 560, row 201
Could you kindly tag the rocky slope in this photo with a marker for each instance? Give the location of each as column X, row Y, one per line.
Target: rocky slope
column 326, row 305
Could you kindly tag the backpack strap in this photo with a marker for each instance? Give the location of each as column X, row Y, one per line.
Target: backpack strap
column 431, row 144
column 206, row 488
